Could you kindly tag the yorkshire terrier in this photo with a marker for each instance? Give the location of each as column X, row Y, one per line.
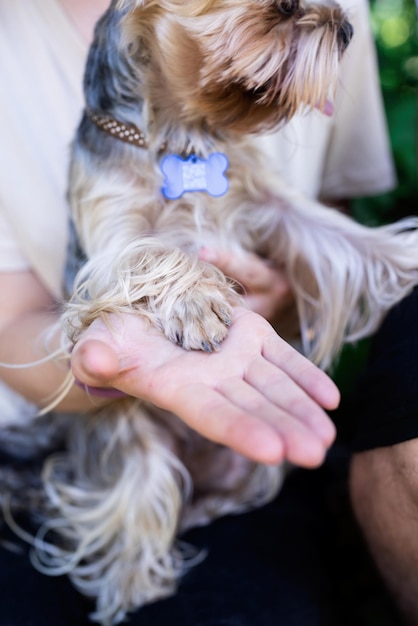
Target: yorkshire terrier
column 164, row 163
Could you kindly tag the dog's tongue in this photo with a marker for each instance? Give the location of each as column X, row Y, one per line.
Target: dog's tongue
column 327, row 109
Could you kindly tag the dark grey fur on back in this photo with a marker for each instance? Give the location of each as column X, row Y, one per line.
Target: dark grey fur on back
column 110, row 82
column 110, row 89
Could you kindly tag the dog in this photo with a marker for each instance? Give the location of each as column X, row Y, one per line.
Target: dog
column 164, row 163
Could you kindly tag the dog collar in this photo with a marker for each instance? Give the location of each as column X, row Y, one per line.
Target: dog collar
column 181, row 175
column 129, row 133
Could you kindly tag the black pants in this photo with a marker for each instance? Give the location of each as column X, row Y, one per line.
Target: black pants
column 298, row 561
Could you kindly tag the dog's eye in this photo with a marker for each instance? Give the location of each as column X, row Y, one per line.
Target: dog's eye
column 287, row 7
column 345, row 35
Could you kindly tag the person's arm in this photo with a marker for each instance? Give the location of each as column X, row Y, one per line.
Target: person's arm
column 27, row 314
column 256, row 395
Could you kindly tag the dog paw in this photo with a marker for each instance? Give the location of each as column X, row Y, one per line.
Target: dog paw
column 198, row 321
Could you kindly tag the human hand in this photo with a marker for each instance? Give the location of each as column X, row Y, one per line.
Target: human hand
column 266, row 289
column 256, row 395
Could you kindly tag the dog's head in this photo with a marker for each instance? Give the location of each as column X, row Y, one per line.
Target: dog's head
column 241, row 65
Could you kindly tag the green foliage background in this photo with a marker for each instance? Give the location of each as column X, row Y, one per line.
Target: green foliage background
column 394, row 24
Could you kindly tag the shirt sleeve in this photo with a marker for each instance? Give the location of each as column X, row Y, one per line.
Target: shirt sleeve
column 358, row 161
column 12, row 259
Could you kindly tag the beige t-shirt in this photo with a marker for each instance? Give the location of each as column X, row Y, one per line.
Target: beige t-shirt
column 40, row 105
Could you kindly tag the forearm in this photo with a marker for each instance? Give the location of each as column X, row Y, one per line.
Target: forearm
column 26, row 341
column 26, row 317
column 256, row 395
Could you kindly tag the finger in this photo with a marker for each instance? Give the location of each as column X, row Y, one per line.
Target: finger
column 247, row 269
column 282, row 391
column 308, row 376
column 218, row 419
column 302, row 445
column 267, row 291
column 261, row 336
column 264, row 303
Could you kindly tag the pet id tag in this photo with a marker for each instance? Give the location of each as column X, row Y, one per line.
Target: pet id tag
column 194, row 174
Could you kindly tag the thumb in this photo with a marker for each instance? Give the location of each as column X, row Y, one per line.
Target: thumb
column 94, row 362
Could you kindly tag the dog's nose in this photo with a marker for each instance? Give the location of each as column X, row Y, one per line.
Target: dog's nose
column 345, row 34
column 287, row 7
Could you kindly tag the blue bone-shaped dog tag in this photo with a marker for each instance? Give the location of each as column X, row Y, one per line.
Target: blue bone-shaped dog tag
column 194, row 174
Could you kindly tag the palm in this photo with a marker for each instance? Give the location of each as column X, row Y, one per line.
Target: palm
column 256, row 395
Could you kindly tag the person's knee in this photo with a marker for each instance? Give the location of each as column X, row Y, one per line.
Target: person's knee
column 384, row 495
column 381, row 477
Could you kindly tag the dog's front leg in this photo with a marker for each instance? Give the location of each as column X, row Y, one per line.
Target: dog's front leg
column 191, row 301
